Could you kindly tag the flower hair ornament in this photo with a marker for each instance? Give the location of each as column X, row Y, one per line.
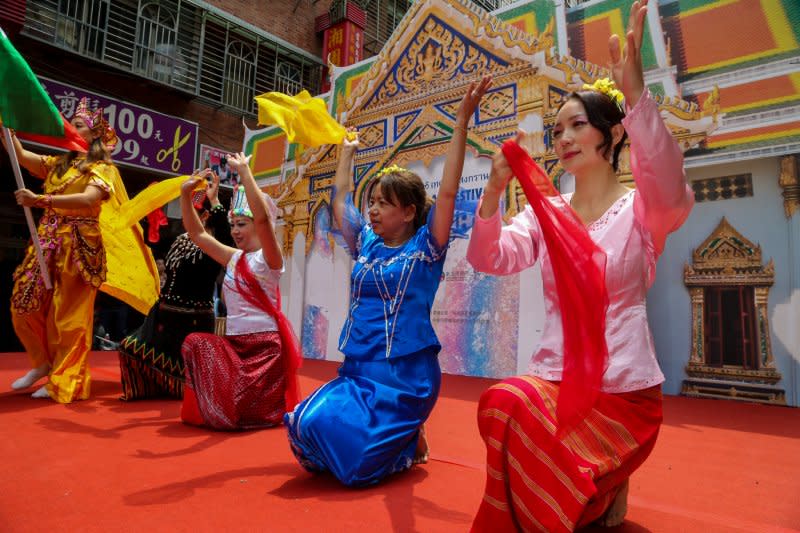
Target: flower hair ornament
column 390, row 169
column 96, row 122
column 608, row 88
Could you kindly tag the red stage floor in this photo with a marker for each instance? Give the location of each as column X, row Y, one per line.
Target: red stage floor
column 105, row 465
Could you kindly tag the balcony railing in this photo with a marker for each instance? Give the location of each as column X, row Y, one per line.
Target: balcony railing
column 177, row 43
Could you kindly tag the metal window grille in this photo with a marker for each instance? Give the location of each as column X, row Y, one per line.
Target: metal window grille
column 168, row 42
column 121, row 33
column 173, row 41
column 575, row 3
column 273, row 68
column 240, row 66
column 82, row 25
column 383, row 16
column 156, row 35
column 289, row 78
column 491, row 5
column 77, row 25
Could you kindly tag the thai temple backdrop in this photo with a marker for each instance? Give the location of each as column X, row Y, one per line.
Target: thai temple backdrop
column 725, row 309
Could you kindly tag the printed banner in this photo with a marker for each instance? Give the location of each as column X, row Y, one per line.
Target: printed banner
column 148, row 139
column 475, row 316
column 217, row 160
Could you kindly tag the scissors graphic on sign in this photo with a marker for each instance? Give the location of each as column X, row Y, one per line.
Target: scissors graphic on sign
column 177, row 143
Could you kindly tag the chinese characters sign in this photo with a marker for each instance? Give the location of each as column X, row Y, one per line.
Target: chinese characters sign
column 342, row 45
column 148, row 139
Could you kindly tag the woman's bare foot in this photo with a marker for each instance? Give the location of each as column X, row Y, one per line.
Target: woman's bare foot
column 31, row 377
column 421, row 454
column 615, row 514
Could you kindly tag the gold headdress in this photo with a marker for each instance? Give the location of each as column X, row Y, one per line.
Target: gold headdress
column 97, row 122
column 608, row 88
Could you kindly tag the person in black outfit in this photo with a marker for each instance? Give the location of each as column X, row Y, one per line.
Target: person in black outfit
column 150, row 358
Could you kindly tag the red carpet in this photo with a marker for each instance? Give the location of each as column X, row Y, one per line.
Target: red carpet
column 106, row 465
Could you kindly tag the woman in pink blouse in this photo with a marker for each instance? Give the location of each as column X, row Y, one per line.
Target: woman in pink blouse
column 539, row 478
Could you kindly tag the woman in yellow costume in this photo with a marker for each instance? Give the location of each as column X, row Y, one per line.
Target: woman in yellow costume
column 55, row 326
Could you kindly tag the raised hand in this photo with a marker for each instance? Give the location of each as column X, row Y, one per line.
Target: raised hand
column 501, row 174
column 454, row 162
column 350, row 143
column 188, row 186
column 195, row 181
column 626, row 65
column 212, row 189
column 239, row 163
column 471, row 99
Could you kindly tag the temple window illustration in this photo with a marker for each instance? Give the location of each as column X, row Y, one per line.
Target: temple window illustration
column 731, row 355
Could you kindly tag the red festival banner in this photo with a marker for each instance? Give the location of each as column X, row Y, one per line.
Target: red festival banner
column 343, row 38
column 343, row 44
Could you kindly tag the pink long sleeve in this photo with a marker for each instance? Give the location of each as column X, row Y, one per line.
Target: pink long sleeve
column 500, row 250
column 663, row 199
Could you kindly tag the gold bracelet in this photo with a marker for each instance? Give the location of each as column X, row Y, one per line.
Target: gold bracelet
column 43, row 200
column 459, row 127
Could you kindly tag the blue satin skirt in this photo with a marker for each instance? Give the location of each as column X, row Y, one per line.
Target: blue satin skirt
column 364, row 425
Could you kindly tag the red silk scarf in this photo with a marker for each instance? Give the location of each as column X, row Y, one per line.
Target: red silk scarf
column 251, row 290
column 71, row 140
column 155, row 219
column 579, row 269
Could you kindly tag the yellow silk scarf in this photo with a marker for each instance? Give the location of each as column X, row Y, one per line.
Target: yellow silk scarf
column 304, row 119
column 132, row 274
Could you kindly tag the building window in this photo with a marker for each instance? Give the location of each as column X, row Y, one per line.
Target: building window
column 157, row 54
column 383, row 16
column 730, row 327
column 723, row 188
column 240, row 67
column 491, row 5
column 731, row 353
column 288, row 79
column 175, row 42
column 81, row 26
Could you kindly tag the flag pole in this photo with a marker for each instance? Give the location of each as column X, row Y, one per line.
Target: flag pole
column 12, row 153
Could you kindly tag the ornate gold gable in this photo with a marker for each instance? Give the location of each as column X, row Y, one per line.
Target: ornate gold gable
column 726, row 259
column 404, row 105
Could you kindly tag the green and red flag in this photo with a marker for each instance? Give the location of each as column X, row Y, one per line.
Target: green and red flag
column 26, row 107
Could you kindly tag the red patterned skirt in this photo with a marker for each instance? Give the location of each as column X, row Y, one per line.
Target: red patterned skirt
column 233, row 382
column 537, row 482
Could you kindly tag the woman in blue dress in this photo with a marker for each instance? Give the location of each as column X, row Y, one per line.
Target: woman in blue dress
column 367, row 423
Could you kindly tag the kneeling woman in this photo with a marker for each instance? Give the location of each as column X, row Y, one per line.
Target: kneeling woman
column 246, row 379
column 150, row 360
column 543, row 474
column 367, row 423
